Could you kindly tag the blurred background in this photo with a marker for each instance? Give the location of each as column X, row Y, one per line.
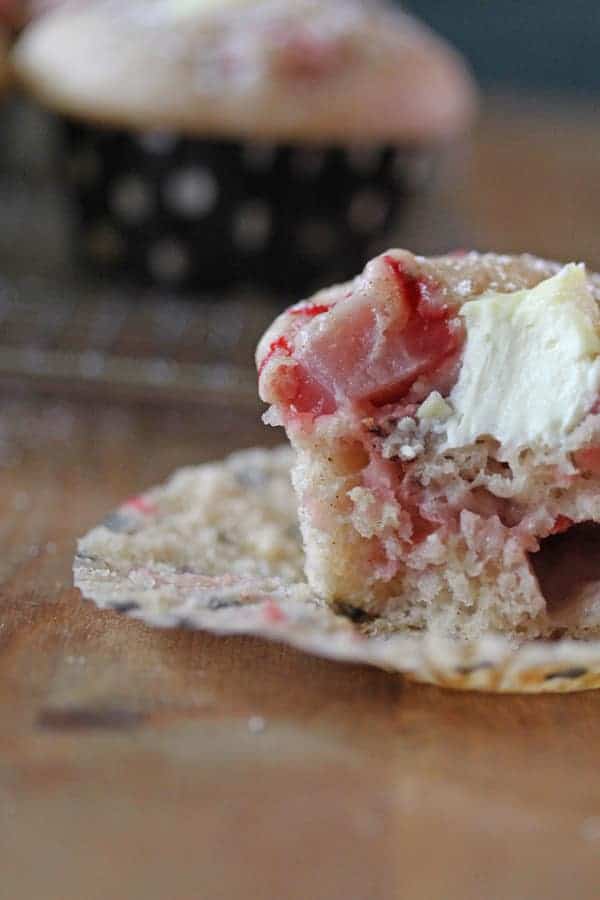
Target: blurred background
column 532, row 46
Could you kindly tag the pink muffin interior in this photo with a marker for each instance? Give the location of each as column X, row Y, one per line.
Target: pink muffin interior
column 399, row 518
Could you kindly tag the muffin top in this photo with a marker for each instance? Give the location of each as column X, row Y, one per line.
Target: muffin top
column 397, row 332
column 274, row 69
column 458, row 277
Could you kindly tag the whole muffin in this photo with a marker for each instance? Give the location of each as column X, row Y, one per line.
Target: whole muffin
column 218, row 142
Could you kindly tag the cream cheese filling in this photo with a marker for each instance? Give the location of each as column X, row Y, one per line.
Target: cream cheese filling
column 531, row 367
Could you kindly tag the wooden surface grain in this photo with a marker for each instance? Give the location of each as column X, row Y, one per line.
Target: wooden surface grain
column 136, row 763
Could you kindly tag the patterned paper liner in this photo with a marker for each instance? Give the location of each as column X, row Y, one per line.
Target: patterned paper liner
column 193, row 214
column 217, row 548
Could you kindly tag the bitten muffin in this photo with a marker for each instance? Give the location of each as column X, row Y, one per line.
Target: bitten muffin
column 445, row 415
column 271, row 140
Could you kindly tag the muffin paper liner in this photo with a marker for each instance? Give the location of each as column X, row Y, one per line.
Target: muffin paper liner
column 186, row 213
column 217, row 548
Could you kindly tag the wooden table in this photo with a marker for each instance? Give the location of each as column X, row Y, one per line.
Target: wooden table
column 143, row 764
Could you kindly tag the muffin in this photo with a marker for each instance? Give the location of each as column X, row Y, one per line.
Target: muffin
column 265, row 141
column 445, row 415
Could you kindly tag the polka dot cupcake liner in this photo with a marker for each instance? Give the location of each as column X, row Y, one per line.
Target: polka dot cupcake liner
column 193, row 214
column 217, row 548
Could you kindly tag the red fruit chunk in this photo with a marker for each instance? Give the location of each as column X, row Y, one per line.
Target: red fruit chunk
column 302, row 55
column 141, row 505
column 374, row 346
column 588, row 460
column 313, row 309
column 561, row 523
column 281, row 347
